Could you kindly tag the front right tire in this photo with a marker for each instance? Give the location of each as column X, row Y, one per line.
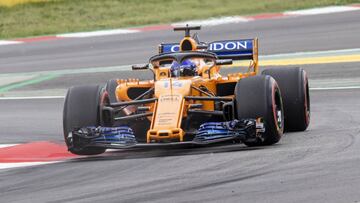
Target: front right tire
column 260, row 97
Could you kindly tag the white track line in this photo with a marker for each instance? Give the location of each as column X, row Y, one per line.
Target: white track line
column 335, row 88
column 213, row 21
column 324, row 10
column 7, row 145
column 6, row 42
column 24, row 164
column 36, row 97
column 98, row 33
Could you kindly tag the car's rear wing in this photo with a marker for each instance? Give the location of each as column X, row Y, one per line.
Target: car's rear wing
column 243, row 49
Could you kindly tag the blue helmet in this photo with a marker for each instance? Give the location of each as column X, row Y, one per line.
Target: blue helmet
column 186, row 68
column 175, row 69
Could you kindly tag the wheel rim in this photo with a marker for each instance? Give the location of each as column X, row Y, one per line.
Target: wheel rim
column 278, row 111
column 279, row 120
column 307, row 100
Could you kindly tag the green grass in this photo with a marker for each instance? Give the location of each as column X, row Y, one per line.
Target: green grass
column 62, row 16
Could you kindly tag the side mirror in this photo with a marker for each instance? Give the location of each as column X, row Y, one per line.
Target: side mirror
column 224, row 62
column 140, row 66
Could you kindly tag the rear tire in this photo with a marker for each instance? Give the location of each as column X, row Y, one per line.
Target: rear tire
column 294, row 86
column 259, row 96
column 81, row 109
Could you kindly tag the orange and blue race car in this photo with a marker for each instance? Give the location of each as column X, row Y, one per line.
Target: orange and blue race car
column 189, row 101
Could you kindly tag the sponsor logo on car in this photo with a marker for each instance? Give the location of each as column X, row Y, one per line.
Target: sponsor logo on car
column 228, row 46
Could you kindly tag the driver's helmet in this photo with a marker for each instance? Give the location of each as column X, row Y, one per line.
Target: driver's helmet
column 175, row 69
column 186, row 68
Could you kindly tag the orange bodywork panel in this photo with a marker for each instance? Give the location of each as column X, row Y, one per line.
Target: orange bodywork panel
column 166, row 122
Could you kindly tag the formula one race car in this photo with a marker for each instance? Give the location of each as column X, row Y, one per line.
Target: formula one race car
column 188, row 101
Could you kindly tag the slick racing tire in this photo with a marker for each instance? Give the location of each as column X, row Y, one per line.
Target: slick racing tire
column 111, row 89
column 294, row 86
column 260, row 97
column 81, row 109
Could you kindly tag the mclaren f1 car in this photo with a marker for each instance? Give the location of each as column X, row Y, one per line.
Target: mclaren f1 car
column 189, row 101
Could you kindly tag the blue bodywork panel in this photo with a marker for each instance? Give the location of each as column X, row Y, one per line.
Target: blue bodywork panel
column 221, row 131
column 230, row 49
column 123, row 136
column 119, row 135
column 169, row 48
column 102, row 137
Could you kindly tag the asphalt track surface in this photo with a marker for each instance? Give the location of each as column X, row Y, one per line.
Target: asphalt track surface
column 318, row 165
